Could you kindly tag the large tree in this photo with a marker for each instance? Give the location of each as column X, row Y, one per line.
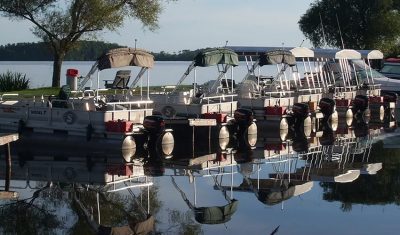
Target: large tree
column 364, row 24
column 62, row 23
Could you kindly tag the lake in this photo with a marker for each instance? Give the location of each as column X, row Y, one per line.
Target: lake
column 343, row 181
column 163, row 73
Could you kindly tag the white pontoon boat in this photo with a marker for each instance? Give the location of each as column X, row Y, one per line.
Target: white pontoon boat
column 213, row 104
column 112, row 115
column 285, row 96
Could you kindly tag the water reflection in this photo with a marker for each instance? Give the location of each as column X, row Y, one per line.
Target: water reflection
column 88, row 188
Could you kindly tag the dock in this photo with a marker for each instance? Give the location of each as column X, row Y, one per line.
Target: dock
column 5, row 140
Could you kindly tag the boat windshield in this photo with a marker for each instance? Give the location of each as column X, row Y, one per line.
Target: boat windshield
column 364, row 72
column 391, row 68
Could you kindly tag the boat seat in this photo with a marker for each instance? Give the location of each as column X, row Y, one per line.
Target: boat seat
column 60, row 101
column 121, row 80
column 225, row 86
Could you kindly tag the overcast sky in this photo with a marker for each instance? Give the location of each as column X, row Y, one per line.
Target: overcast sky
column 193, row 24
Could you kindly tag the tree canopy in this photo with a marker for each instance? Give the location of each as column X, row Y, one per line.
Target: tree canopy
column 62, row 23
column 364, row 24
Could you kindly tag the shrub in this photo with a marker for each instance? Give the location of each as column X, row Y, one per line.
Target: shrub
column 13, row 81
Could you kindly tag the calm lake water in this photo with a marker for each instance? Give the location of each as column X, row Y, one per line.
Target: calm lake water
column 345, row 181
column 163, row 73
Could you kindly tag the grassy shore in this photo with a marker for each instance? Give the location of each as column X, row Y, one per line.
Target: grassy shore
column 48, row 91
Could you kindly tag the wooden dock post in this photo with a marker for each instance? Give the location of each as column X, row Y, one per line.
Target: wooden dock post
column 5, row 140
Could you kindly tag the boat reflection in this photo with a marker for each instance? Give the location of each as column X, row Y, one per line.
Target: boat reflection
column 96, row 184
column 80, row 181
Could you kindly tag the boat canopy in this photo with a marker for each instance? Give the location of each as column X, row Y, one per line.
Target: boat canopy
column 216, row 214
column 254, row 51
column 214, row 56
column 371, row 54
column 337, row 54
column 277, row 57
column 121, row 57
column 273, row 191
column 302, row 52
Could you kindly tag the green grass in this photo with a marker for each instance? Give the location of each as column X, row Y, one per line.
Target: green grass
column 28, row 93
column 48, row 91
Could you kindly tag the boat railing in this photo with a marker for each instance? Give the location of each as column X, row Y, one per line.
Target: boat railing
column 129, row 183
column 65, row 103
column 220, row 99
column 315, row 90
column 277, row 94
column 131, row 104
column 7, row 94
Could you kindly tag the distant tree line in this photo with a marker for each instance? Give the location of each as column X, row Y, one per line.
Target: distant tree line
column 84, row 51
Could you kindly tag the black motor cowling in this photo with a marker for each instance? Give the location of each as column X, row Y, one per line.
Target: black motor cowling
column 300, row 110
column 154, row 124
column 300, row 144
column 243, row 116
column 390, row 97
column 360, row 103
column 327, row 106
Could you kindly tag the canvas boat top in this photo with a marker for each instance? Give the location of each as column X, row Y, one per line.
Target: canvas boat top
column 215, row 56
column 337, row 54
column 267, row 55
column 371, row 54
column 252, row 50
column 277, row 57
column 302, row 52
column 122, row 57
column 216, row 214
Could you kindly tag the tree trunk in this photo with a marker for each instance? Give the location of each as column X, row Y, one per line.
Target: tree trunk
column 57, row 63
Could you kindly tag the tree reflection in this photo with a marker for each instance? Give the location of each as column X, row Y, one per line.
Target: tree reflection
column 34, row 215
column 183, row 223
column 379, row 189
column 118, row 209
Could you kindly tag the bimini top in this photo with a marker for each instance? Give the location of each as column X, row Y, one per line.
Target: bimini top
column 337, row 54
column 277, row 57
column 371, row 54
column 121, row 57
column 252, row 50
column 214, row 56
column 271, row 193
column 302, row 52
column 216, row 214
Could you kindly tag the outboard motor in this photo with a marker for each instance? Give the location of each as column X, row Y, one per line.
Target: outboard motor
column 243, row 117
column 300, row 143
column 300, row 111
column 158, row 137
column 360, row 103
column 389, row 102
column 154, row 124
column 390, row 97
column 327, row 106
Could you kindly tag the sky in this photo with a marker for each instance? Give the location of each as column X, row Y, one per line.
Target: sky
column 194, row 24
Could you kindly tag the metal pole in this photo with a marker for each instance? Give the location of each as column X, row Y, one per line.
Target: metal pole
column 148, row 199
column 195, row 191
column 194, row 80
column 98, row 207
column 98, row 85
column 232, row 80
column 8, row 166
column 148, row 84
column 231, row 178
